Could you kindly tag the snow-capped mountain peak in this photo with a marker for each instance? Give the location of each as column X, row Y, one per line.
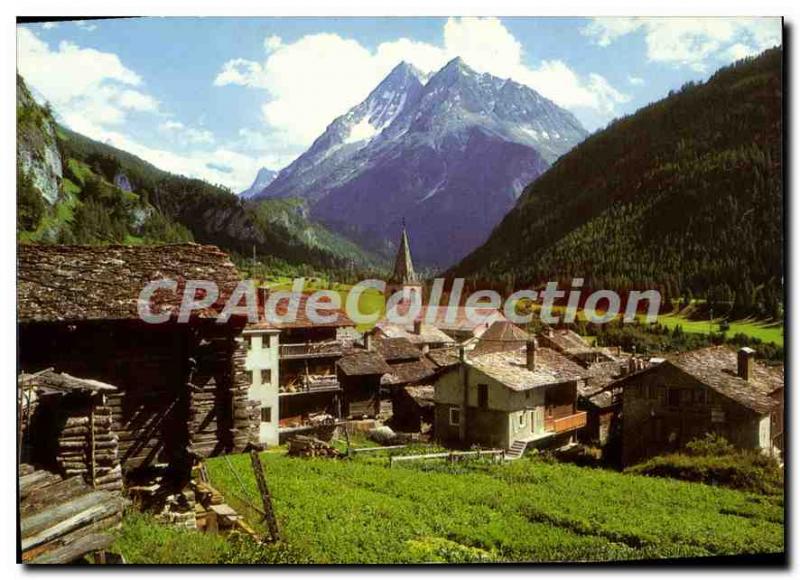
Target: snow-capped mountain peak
column 450, row 153
column 263, row 178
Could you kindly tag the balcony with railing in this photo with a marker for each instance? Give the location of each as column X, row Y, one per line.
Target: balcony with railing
column 311, row 384
column 304, row 350
column 569, row 423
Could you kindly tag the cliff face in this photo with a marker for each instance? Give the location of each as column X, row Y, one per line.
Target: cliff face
column 37, row 149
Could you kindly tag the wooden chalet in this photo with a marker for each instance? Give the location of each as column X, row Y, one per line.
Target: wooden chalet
column 180, row 388
column 360, row 375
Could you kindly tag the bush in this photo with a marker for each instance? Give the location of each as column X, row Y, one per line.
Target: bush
column 711, row 445
column 714, row 461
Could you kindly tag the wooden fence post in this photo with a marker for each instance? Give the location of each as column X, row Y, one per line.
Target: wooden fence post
column 266, row 498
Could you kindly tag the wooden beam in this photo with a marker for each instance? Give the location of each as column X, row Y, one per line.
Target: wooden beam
column 266, row 498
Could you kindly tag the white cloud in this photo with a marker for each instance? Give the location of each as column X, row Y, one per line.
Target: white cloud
column 81, row 81
column 320, row 76
column 136, row 101
column 636, row 81
column 186, row 135
column 556, row 81
column 69, row 71
column 50, row 25
column 84, row 25
column 696, row 43
column 220, row 165
column 739, row 51
column 240, row 71
column 273, row 42
column 92, row 92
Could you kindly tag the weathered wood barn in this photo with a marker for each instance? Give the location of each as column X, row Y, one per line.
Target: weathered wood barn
column 181, row 388
column 711, row 390
column 67, row 428
column 407, row 364
column 360, row 375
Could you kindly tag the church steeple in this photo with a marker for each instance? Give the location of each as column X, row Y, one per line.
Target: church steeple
column 403, row 266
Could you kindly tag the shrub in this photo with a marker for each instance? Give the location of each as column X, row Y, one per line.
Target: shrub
column 710, row 445
column 714, row 461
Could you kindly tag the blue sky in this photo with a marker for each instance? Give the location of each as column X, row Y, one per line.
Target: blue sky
column 217, row 98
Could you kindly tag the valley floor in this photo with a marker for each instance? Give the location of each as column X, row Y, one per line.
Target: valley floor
column 531, row 510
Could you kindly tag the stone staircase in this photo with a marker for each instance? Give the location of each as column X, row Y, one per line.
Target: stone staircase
column 516, row 450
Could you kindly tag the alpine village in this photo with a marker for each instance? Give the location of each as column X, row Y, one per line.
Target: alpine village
column 436, row 440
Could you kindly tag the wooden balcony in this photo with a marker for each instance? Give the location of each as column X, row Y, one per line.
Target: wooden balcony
column 331, row 348
column 312, row 384
column 570, row 422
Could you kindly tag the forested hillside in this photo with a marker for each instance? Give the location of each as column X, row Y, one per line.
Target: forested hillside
column 685, row 195
column 76, row 190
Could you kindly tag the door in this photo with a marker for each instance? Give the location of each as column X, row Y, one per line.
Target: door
column 538, row 420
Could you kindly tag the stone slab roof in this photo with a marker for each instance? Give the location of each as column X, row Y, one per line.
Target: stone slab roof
column 57, row 283
column 509, row 368
column 501, row 336
column 716, row 367
column 363, row 363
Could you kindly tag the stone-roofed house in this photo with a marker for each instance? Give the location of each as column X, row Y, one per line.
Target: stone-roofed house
column 407, row 364
column 181, row 388
column 501, row 336
column 413, row 408
column 510, row 399
column 460, row 323
column 573, row 345
column 423, row 336
column 710, row 390
column 360, row 374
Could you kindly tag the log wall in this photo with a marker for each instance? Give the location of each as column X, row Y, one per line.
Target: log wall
column 182, row 389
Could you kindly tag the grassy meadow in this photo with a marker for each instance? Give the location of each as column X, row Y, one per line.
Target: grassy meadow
column 361, row 511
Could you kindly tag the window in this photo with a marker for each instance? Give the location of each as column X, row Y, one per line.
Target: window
column 455, row 416
column 674, row 397
column 483, row 396
column 266, row 414
column 522, row 419
column 717, row 416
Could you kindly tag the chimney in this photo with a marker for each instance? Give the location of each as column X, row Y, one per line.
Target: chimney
column 368, row 339
column 418, row 326
column 530, row 354
column 746, row 359
column 262, row 295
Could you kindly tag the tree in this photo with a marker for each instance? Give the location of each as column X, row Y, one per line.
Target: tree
column 30, row 204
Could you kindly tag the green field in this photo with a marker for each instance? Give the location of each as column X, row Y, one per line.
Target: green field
column 766, row 331
column 361, row 511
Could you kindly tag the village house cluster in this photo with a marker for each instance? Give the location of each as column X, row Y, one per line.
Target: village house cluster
column 106, row 396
